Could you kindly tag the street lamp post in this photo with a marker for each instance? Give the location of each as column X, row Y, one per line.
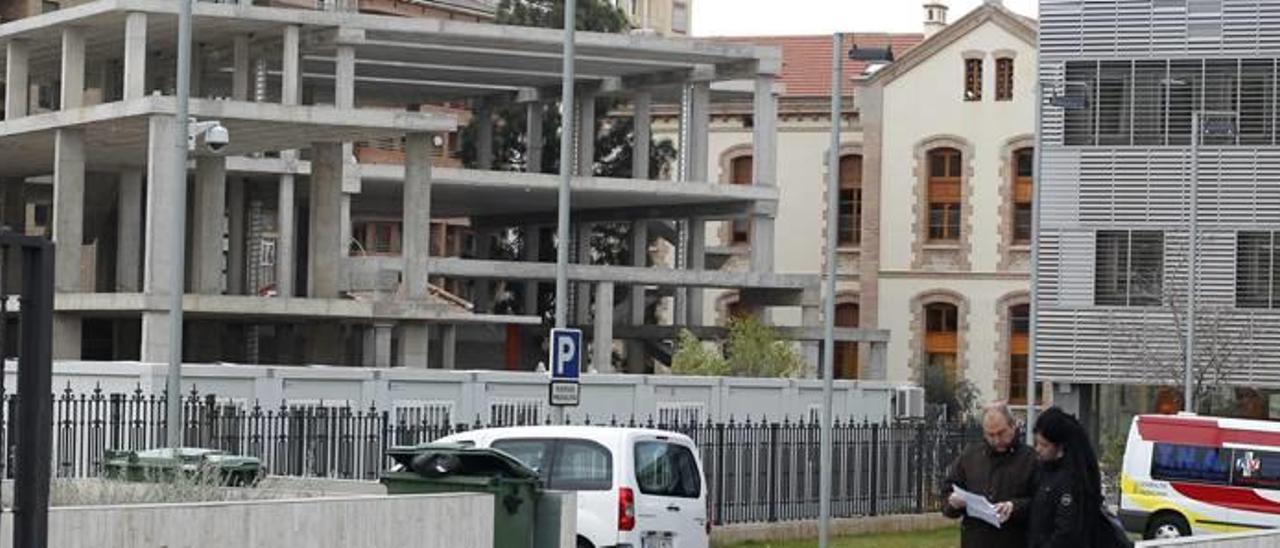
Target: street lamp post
column 177, row 280
column 567, row 130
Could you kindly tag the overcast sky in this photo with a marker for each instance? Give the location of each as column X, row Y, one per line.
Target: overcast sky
column 775, row 17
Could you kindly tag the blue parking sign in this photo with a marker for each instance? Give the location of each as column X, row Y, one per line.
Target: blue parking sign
column 566, row 354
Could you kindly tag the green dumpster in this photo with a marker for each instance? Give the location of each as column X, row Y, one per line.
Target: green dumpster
column 192, row 463
column 447, row 468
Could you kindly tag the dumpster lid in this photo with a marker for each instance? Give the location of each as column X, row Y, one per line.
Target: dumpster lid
column 435, row 460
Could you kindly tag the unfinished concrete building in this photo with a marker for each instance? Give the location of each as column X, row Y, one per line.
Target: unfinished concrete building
column 337, row 226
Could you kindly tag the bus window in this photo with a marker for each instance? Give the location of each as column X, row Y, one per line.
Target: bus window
column 1259, row 469
column 1171, row 462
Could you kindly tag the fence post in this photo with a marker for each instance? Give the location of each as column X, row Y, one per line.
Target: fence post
column 875, row 469
column 773, row 475
column 718, row 515
column 921, row 457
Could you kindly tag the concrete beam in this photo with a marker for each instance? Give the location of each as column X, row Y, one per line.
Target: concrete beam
column 236, row 215
column 161, row 159
column 291, row 67
column 129, row 233
column 712, row 211
column 17, row 78
column 206, row 226
column 73, row 68
column 602, row 340
column 642, row 104
column 669, row 332
column 546, row 272
column 286, row 244
column 68, row 207
column 240, row 62
column 135, row 56
column 325, row 249
column 534, row 144
column 416, row 232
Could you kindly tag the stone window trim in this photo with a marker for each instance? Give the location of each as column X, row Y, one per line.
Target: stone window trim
column 923, row 251
column 917, row 328
column 1004, row 370
column 725, row 232
column 973, row 54
column 1005, row 54
column 1012, row 256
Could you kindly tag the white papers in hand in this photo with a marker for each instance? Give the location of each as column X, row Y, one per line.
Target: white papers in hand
column 978, row 507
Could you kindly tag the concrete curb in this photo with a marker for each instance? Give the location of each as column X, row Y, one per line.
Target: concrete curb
column 803, row 530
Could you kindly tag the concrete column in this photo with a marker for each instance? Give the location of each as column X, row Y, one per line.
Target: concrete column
column 135, row 56
column 206, row 225
column 14, row 214
column 416, row 231
column 484, row 136
column 344, row 91
column 642, row 103
column 17, row 80
column 129, row 233
column 697, row 261
column 291, row 72
column 636, row 301
column 812, row 350
column 878, row 368
column 449, row 346
column 482, row 293
column 240, row 62
column 585, row 155
column 765, row 164
column 602, row 341
column 155, row 338
column 534, row 144
column 235, row 236
column 699, row 129
column 414, row 345
column 72, row 68
column 158, row 260
column 68, row 207
column 582, row 297
column 325, row 249
column 285, row 245
column 532, row 244
column 381, row 345
column 197, row 70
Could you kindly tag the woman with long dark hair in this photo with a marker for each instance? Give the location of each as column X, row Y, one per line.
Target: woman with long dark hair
column 1066, row 511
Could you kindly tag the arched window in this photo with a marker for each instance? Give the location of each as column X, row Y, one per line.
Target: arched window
column 850, row 216
column 944, row 194
column 846, row 357
column 741, row 174
column 942, row 337
column 1023, row 194
column 1019, row 342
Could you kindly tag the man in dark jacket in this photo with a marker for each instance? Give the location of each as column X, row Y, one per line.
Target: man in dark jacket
column 1003, row 470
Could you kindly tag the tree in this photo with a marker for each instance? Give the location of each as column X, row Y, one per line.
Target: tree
column 956, row 396
column 1157, row 345
column 752, row 349
column 610, row 242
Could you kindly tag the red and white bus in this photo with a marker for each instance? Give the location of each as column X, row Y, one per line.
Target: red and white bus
column 1186, row 474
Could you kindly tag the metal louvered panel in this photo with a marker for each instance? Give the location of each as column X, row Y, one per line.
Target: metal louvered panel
column 1052, row 76
column 1158, row 28
column 1061, row 198
column 1050, row 265
column 1075, row 286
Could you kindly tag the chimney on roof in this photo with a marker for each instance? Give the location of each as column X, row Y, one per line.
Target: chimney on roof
column 935, row 16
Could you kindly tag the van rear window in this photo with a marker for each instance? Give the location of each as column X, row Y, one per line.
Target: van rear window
column 1172, row 462
column 667, row 469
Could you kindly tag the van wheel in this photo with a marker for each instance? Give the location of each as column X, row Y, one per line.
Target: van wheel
column 1167, row 525
column 584, row 543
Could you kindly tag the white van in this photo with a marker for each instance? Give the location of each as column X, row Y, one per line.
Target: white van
column 637, row 488
column 1187, row 474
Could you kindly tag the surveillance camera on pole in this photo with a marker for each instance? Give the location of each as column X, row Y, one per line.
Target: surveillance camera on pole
column 209, row 137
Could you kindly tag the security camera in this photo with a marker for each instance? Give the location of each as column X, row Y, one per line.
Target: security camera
column 209, row 136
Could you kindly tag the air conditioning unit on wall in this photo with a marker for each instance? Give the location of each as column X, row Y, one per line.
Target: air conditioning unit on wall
column 908, row 402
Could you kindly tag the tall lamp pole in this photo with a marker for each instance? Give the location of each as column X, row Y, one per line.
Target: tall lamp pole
column 567, row 130
column 177, row 280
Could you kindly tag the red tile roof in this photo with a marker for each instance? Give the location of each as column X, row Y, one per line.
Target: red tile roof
column 806, row 60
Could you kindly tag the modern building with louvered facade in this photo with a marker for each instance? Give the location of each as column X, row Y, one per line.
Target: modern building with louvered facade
column 1128, row 77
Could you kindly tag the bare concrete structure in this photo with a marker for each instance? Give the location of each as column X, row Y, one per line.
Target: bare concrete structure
column 338, row 118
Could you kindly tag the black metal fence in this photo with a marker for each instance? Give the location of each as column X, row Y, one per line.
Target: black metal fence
column 756, row 471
